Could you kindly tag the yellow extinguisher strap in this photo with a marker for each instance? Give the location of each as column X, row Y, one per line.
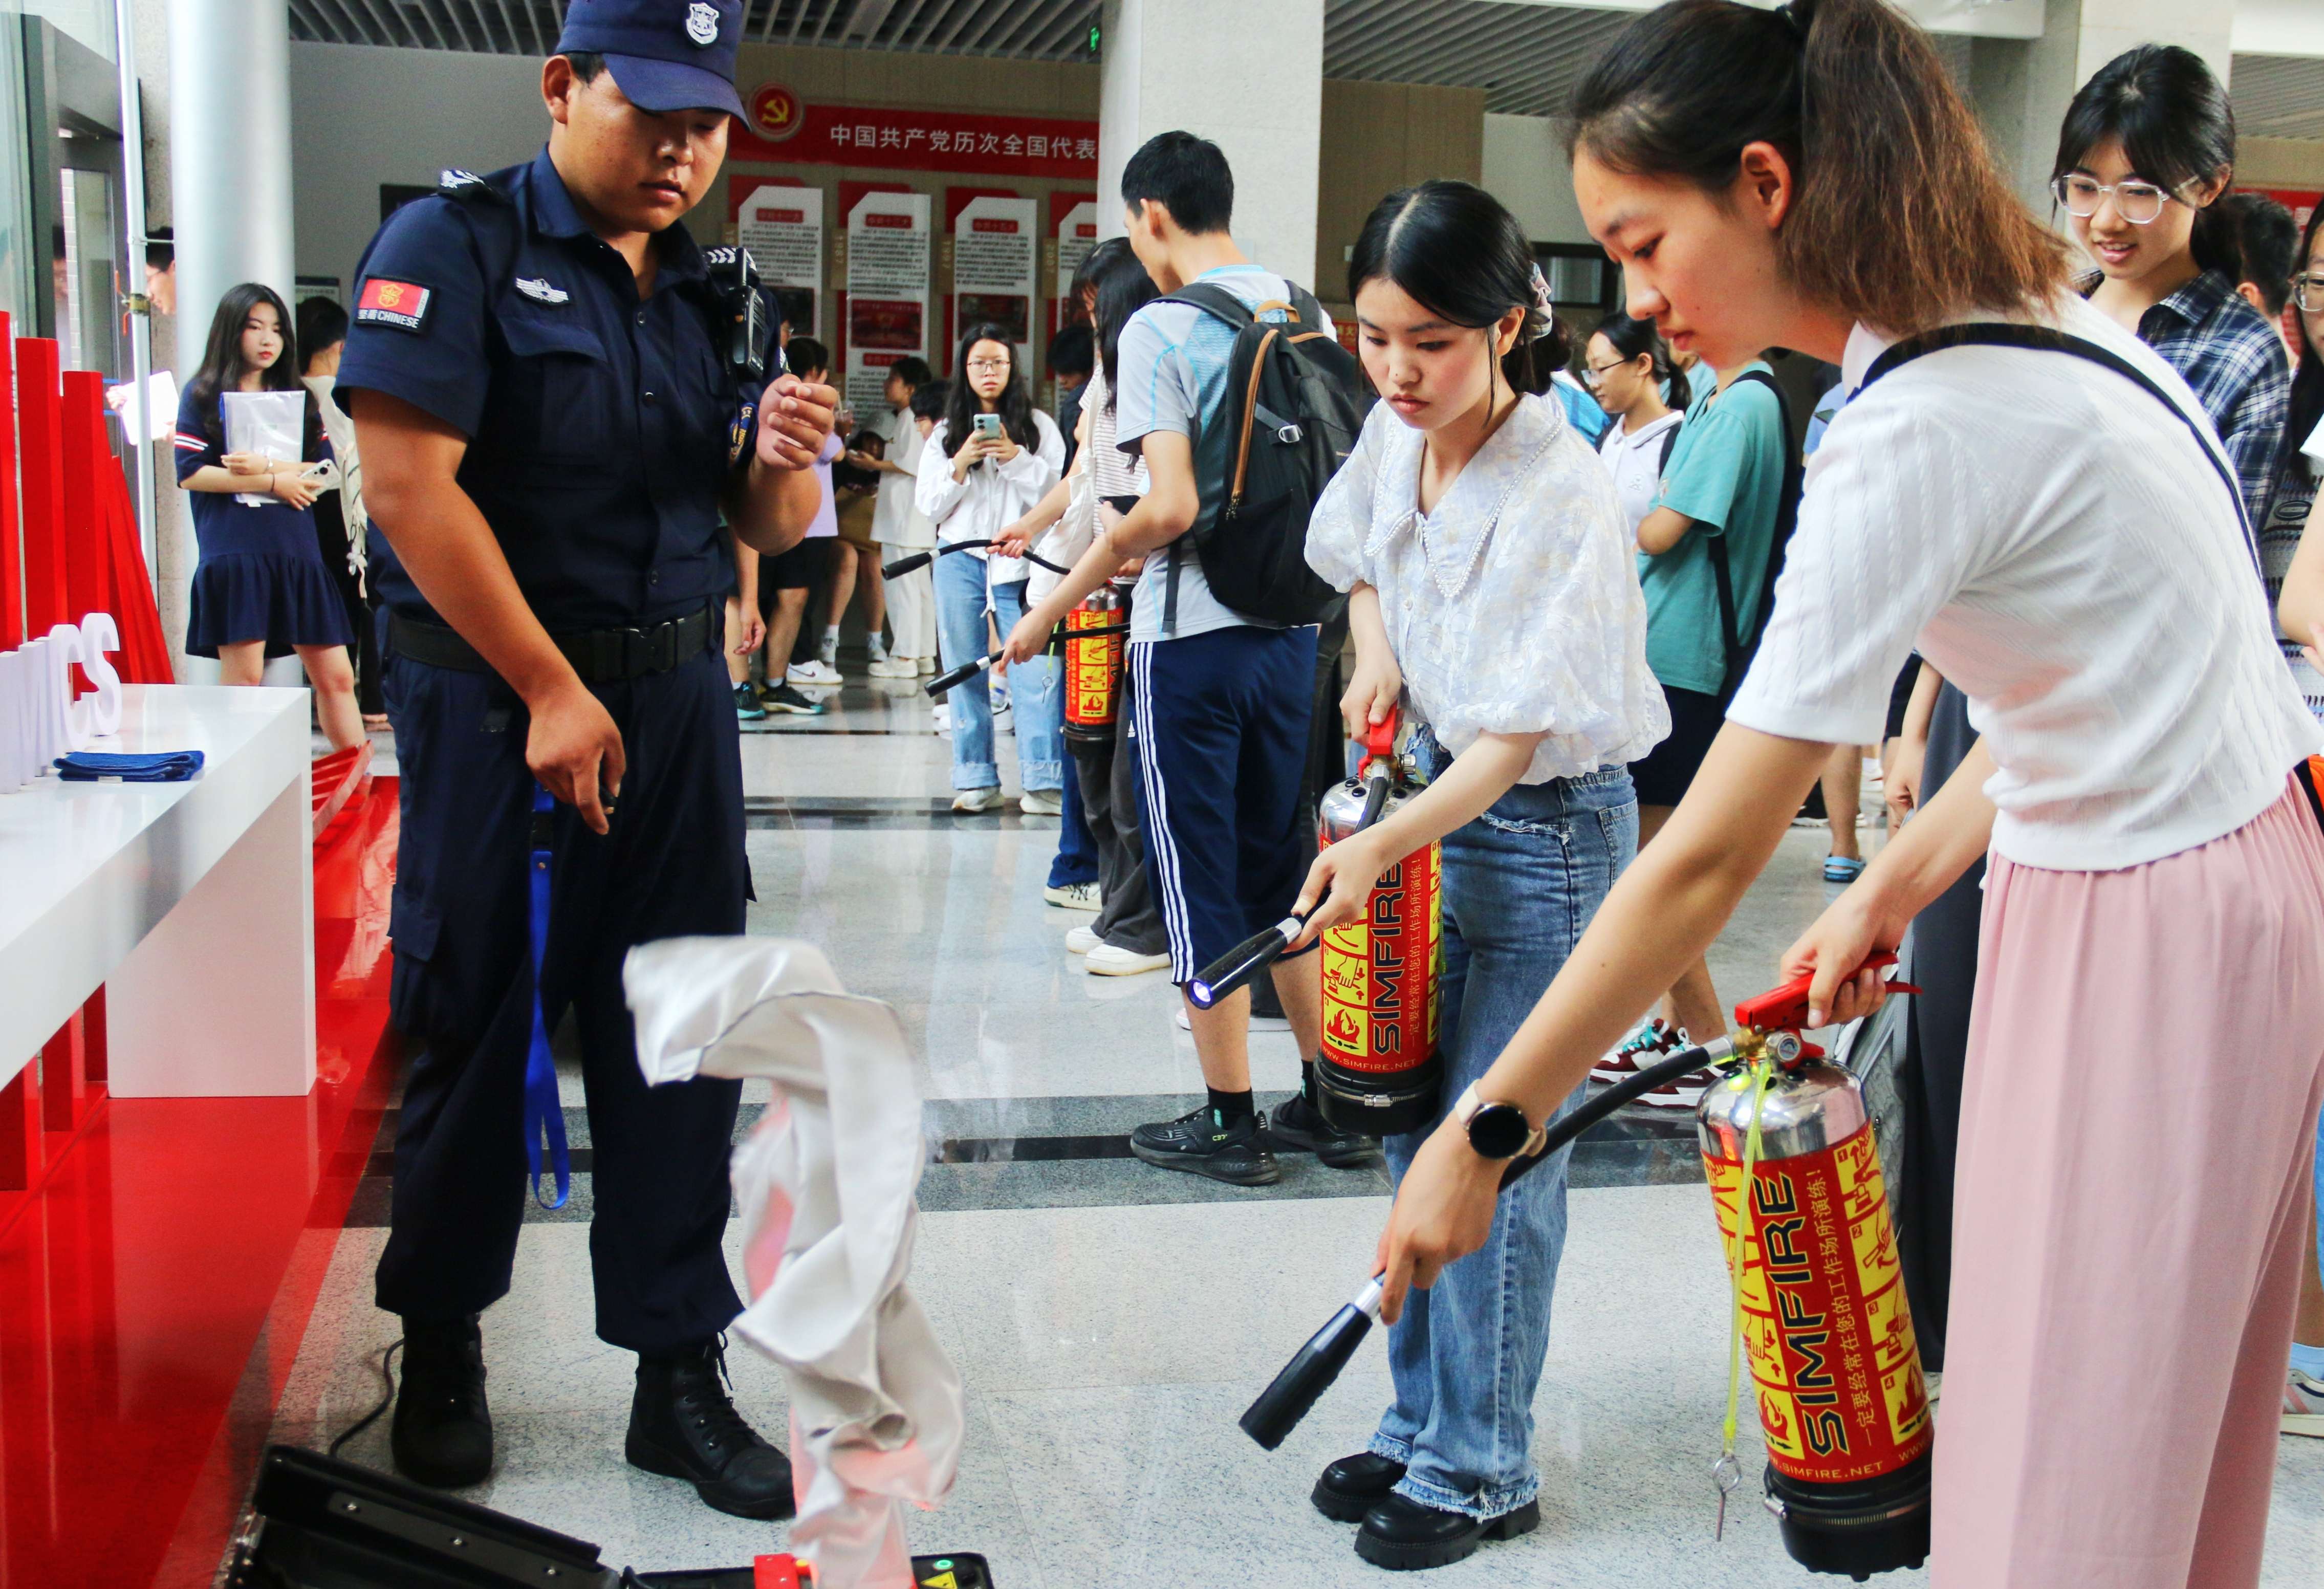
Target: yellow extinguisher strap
column 1724, row 1472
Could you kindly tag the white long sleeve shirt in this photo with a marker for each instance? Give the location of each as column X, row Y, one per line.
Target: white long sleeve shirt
column 994, row 495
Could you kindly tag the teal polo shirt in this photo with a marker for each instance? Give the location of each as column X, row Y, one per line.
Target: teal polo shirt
column 1726, row 473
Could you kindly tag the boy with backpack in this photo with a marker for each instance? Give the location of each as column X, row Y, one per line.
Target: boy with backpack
column 1242, row 402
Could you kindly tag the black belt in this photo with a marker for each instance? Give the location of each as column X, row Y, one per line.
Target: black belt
column 601, row 656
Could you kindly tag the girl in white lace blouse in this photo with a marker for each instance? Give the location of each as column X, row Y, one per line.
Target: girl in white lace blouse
column 1492, row 588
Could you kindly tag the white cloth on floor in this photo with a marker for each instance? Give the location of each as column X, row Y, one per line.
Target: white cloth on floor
column 826, row 1183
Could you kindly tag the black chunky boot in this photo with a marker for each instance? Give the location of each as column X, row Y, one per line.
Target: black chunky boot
column 1403, row 1535
column 443, row 1431
column 682, row 1424
column 1354, row 1485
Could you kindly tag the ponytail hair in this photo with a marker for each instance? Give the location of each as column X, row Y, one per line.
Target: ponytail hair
column 1459, row 254
column 2172, row 118
column 1631, row 337
column 1859, row 103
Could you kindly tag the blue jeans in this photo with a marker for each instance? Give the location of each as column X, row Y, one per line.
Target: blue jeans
column 1520, row 883
column 1076, row 858
column 1033, row 686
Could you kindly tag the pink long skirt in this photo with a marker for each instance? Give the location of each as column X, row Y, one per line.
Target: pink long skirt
column 2138, row 1119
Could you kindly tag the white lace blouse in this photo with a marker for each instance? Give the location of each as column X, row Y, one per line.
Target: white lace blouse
column 1513, row 607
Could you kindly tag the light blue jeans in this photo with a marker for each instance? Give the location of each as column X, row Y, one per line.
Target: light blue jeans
column 1033, row 686
column 1520, row 883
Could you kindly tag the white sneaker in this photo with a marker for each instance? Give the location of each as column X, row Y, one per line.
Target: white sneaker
column 942, row 718
column 812, row 672
column 1074, row 896
column 2303, row 1406
column 875, row 648
column 999, row 699
column 893, row 668
column 1112, row 960
column 1258, row 1022
column 927, row 665
column 1042, row 802
column 973, row 800
column 1081, row 940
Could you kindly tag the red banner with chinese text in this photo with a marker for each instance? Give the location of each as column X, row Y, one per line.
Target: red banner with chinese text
column 899, row 138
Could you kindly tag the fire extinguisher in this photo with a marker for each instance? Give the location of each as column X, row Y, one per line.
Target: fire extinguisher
column 1093, row 667
column 1819, row 1298
column 1379, row 1074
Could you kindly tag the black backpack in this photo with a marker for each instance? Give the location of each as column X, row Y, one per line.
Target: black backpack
column 1743, row 644
column 1296, row 403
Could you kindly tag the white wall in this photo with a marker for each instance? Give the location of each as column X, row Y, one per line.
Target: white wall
column 361, row 117
column 1525, row 168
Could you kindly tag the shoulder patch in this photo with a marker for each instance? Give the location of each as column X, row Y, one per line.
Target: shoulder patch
column 402, row 305
column 468, row 188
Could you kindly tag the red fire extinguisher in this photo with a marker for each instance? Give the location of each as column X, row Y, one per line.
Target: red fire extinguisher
column 1824, row 1322
column 1093, row 667
column 1379, row 1073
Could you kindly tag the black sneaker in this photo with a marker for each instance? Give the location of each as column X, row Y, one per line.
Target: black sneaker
column 682, row 1424
column 1354, row 1485
column 1200, row 1143
column 782, row 698
column 443, row 1431
column 746, row 703
column 1402, row 1535
column 1300, row 1126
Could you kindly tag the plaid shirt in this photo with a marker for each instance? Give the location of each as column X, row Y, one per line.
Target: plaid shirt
column 2234, row 360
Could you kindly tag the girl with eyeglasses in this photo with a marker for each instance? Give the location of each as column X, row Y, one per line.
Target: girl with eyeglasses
column 2022, row 488
column 1630, row 371
column 2299, row 616
column 987, row 462
column 2147, row 150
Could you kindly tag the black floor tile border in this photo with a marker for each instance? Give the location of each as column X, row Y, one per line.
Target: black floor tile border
column 1010, row 1167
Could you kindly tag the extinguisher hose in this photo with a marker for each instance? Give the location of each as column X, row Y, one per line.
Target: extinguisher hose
column 968, row 670
column 1256, row 953
column 1311, row 1370
column 921, row 559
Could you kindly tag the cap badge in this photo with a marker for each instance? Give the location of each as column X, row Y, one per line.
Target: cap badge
column 702, row 24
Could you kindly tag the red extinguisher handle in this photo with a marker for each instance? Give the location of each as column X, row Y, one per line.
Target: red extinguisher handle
column 1379, row 741
column 1785, row 1009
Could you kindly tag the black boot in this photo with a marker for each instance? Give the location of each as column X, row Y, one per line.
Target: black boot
column 1401, row 1534
column 1298, row 1124
column 683, row 1426
column 1354, row 1485
column 443, row 1431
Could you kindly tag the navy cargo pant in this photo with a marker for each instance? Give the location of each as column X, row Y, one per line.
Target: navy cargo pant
column 463, row 992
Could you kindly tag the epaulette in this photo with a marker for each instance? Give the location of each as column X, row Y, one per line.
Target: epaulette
column 468, row 188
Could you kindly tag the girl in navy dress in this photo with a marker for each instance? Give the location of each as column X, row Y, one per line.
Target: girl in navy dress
column 260, row 587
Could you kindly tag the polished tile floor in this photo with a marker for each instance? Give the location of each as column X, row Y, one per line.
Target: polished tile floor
column 1112, row 1321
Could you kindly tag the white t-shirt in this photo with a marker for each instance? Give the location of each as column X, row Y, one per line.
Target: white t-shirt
column 2062, row 547
column 1513, row 606
column 1173, row 365
column 895, row 519
column 1636, row 462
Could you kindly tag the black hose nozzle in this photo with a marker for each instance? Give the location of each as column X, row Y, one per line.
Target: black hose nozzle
column 1306, row 1378
column 1246, row 960
column 906, row 564
column 960, row 675
column 1281, row 1406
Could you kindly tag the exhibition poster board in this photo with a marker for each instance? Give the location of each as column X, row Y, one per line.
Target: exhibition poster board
column 781, row 225
column 887, row 256
column 1074, row 215
column 995, row 260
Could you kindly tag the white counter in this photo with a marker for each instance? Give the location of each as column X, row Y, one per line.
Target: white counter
column 192, row 904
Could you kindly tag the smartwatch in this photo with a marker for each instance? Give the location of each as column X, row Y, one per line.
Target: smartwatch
column 1498, row 1131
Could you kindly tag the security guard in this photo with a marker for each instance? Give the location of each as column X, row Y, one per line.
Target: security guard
column 554, row 390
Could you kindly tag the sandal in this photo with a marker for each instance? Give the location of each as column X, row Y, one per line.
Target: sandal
column 1843, row 868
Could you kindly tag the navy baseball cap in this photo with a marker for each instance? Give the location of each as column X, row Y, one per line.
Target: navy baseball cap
column 665, row 55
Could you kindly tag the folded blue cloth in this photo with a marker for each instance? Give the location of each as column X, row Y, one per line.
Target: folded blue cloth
column 154, row 767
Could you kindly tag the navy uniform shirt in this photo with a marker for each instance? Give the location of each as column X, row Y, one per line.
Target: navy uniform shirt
column 597, row 422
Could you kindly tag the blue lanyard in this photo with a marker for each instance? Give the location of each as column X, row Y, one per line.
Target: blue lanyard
column 544, row 1113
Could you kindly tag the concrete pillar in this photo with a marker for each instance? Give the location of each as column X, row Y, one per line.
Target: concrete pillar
column 1249, row 79
column 229, row 156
